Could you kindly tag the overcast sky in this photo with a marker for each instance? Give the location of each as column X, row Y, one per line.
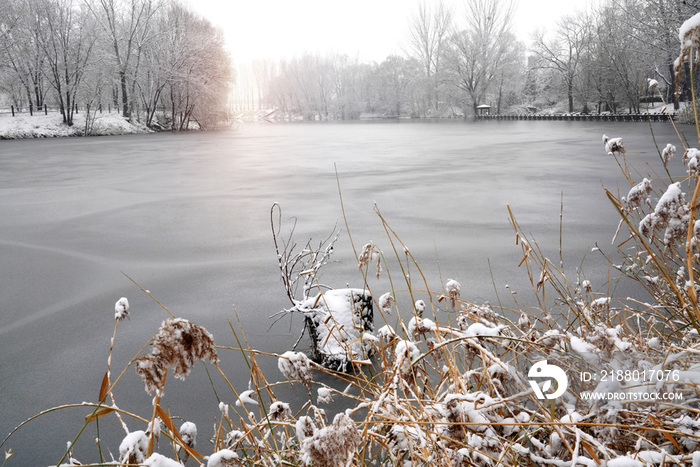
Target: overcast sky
column 372, row 29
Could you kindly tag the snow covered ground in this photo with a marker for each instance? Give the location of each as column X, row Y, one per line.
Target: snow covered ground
column 51, row 125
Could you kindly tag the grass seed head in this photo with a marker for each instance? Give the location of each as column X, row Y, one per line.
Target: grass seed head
column 332, row 445
column 296, row 366
column 689, row 35
column 369, row 252
column 280, row 411
column 177, row 345
column 133, row 448
column 386, row 302
column 613, row 145
column 223, row 458
column 188, row 433
column 668, row 153
column 121, row 309
column 233, row 437
column 325, row 396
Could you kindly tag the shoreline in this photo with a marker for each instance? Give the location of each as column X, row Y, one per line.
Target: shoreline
column 51, row 126
column 23, row 126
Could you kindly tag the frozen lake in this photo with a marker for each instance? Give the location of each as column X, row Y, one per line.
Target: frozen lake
column 187, row 216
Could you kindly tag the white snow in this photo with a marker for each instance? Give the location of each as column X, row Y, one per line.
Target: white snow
column 247, row 397
column 280, row 411
column 654, row 343
column 295, row 366
column 655, row 458
column 386, row 334
column 624, row 461
column 638, row 193
column 223, row 408
column 418, row 325
column 386, row 302
column 51, row 125
column 159, row 460
column 481, row 330
column 453, row 288
column 668, row 153
column 338, row 326
column 406, row 353
column 133, row 447
column 305, row 428
column 689, row 31
column 325, row 396
column 671, row 213
column 613, row 145
column 582, row 347
column 121, row 309
column 222, row 458
column 188, row 433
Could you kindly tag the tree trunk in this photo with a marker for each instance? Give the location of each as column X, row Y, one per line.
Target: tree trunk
column 570, row 95
column 125, row 95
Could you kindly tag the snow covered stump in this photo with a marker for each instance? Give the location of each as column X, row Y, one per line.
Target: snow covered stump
column 337, row 321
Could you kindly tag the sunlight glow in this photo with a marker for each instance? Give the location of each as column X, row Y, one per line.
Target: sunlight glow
column 368, row 29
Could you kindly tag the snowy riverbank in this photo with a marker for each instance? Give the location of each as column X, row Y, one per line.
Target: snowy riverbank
column 51, row 125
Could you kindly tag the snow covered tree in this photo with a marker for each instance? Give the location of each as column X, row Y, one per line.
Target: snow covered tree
column 395, row 77
column 67, row 38
column 476, row 53
column 429, row 31
column 127, row 25
column 22, row 53
column 199, row 69
column 618, row 64
column 564, row 51
column 655, row 24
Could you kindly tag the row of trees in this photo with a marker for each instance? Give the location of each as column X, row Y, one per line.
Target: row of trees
column 597, row 59
column 444, row 70
column 149, row 59
column 606, row 55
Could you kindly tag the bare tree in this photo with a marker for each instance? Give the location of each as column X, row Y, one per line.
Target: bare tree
column 67, row 39
column 618, row 64
column 126, row 23
column 564, row 52
column 21, row 48
column 654, row 25
column 429, row 30
column 395, row 77
column 510, row 75
column 199, row 68
column 477, row 51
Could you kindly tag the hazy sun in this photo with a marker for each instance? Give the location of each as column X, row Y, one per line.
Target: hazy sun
column 369, row 29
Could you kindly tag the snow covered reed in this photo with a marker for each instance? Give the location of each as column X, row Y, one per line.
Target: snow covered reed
column 177, row 345
column 689, row 36
column 121, row 309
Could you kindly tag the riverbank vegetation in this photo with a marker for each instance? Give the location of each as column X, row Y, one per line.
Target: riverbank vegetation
column 161, row 65
column 593, row 60
column 154, row 61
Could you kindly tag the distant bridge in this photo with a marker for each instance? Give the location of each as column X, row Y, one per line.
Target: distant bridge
column 646, row 117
